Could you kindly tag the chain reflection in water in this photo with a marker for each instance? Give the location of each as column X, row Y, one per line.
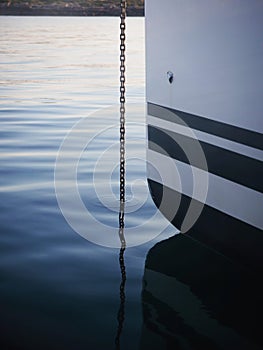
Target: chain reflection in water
column 121, row 312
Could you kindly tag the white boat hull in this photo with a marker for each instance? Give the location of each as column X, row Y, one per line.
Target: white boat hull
column 205, row 147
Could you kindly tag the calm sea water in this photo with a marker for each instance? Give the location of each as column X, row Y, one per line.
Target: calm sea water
column 60, row 289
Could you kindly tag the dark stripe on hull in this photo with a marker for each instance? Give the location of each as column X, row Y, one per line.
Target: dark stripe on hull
column 222, row 162
column 230, row 132
column 233, row 238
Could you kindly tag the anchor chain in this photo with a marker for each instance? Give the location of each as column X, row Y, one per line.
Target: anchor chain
column 121, row 312
column 123, row 4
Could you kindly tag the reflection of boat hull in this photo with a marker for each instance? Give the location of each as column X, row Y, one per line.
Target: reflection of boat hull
column 215, row 53
column 198, row 300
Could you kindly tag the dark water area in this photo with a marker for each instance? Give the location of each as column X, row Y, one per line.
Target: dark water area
column 195, row 298
column 60, row 289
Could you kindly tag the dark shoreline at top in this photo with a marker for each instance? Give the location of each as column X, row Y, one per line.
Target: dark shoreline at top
column 67, row 11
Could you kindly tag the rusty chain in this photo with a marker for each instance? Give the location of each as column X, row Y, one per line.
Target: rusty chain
column 123, row 4
column 121, row 313
column 122, row 100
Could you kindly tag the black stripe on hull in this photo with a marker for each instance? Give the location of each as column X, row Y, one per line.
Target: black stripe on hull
column 222, row 162
column 231, row 237
column 226, row 131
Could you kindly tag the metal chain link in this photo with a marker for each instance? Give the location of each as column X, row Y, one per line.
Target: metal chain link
column 122, row 100
column 121, row 312
column 123, row 4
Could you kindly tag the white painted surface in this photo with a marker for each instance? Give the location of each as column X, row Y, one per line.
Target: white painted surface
column 208, row 138
column 215, row 49
column 229, row 197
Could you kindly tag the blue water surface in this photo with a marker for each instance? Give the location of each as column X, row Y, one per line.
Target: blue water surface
column 63, row 284
column 59, row 290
